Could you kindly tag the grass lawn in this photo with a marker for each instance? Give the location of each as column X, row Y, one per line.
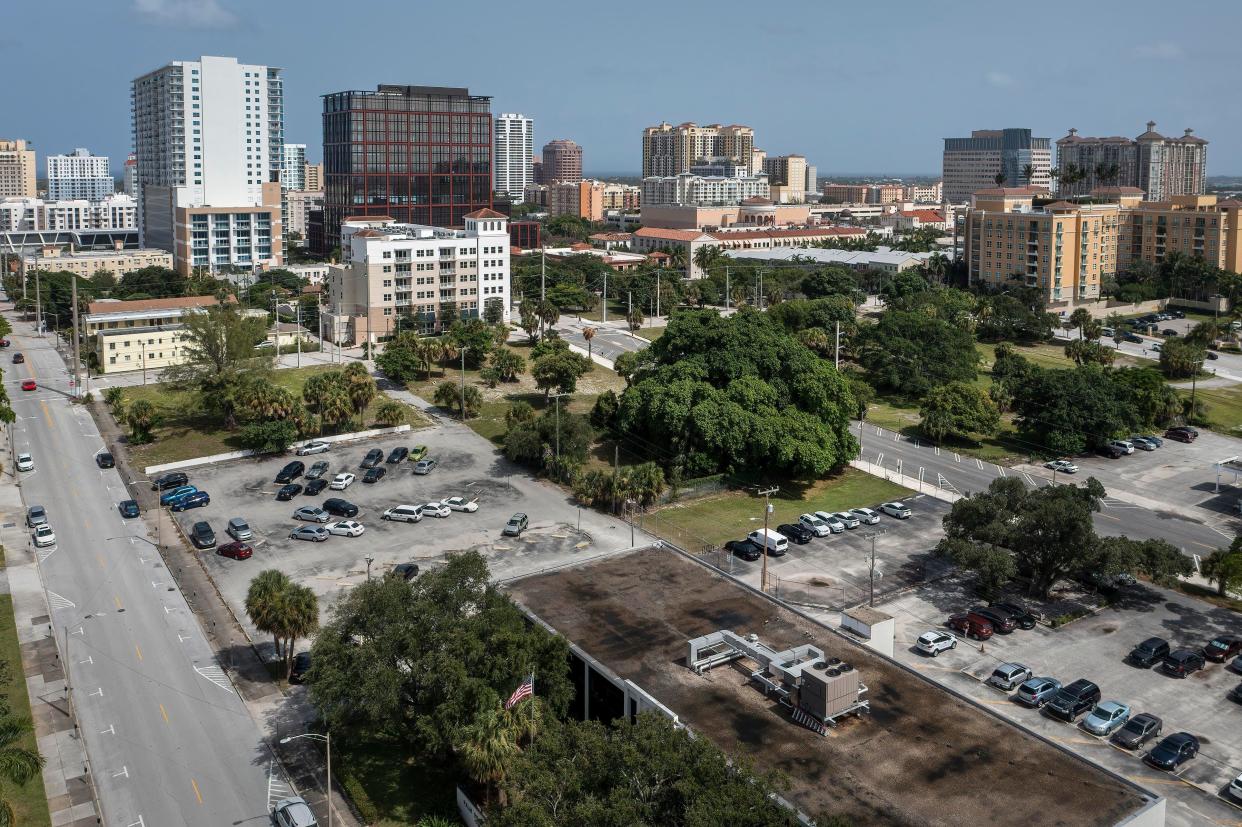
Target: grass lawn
column 727, row 516
column 1224, row 407
column 650, row 333
column 616, row 310
column 184, row 432
column 400, row 791
column 29, row 801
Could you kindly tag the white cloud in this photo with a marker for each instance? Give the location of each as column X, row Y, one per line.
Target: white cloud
column 998, row 79
column 1164, row 50
column 190, row 14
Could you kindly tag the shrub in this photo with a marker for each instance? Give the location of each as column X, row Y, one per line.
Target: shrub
column 269, row 437
column 357, row 794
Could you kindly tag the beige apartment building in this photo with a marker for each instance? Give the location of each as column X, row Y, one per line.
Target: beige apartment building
column 1193, row 225
column 17, row 169
column 138, row 335
column 670, row 150
column 86, row 263
column 250, row 236
column 314, row 177
column 584, row 199
column 300, row 203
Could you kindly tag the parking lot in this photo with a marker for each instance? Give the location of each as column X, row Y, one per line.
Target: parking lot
column 467, row 467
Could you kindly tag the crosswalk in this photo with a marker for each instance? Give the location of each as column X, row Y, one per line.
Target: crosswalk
column 59, row 602
column 278, row 786
column 216, row 675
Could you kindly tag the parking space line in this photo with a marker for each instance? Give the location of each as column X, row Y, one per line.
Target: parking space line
column 1001, row 470
column 979, row 462
column 957, row 457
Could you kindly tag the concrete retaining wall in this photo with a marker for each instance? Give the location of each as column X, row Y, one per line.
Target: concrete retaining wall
column 196, row 461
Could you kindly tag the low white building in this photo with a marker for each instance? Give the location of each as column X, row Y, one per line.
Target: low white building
column 882, row 258
column 35, row 214
column 313, row 273
column 703, row 189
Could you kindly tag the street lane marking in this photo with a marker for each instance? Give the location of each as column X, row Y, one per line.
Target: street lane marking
column 118, row 602
column 197, row 794
column 164, row 713
column 1001, row 471
column 138, row 649
column 1028, row 479
column 47, row 414
column 59, row 602
column 111, row 730
column 98, row 692
column 216, row 675
column 124, row 773
column 1110, row 517
column 979, row 462
column 957, row 457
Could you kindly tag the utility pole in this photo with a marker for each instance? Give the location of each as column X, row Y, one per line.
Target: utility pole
column 657, row 294
column 77, row 361
column 557, row 398
column 872, row 571
column 297, row 332
column 767, row 511
column 836, row 351
column 616, row 474
column 38, row 305
column 463, row 384
column 605, row 296
column 543, row 274
column 728, row 296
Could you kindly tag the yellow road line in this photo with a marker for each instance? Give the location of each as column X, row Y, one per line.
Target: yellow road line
column 1110, row 517
column 85, row 521
column 47, row 414
column 102, row 565
column 164, row 712
column 138, row 649
column 197, row 794
column 118, row 602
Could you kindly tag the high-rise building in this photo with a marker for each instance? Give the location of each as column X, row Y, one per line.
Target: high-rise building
column 114, row 212
column 130, row 181
column 293, row 167
column 1161, row 167
column 670, row 150
column 209, row 140
column 313, row 177
column 584, row 199
column 17, row 169
column 416, row 154
column 812, row 179
column 973, row 163
column 786, row 171
column 299, row 204
column 562, row 162
column 515, row 141
column 79, row 176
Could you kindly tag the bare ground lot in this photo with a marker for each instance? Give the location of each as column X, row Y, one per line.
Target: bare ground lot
column 921, row 757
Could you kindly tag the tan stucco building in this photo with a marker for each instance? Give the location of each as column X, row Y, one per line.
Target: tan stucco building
column 138, row 335
column 86, row 263
column 17, row 169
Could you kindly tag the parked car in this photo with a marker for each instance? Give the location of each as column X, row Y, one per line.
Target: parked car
column 1141, row 444
column 373, row 458
column 865, row 515
column 975, row 627
column 406, row 571
column 1178, row 435
column 4, row 341
column 1035, row 692
column 435, row 509
column 288, row 492
column 311, row 514
column 314, row 533
column 1001, row 621
column 1023, row 618
column 313, row 447
column 346, row 528
column 238, row 529
column 398, row 454
column 25, row 462
column 403, row 514
column 1062, row 465
column 168, row 497
column 1073, row 700
column 236, row 550
column 933, row 643
column 43, row 536
column 1132, row 338
column 1234, row 790
column 291, row 471
column 1106, row 718
column 301, row 665
column 1149, row 652
column 516, row 525
column 1222, row 648
column 744, row 549
column 1009, row 675
column 1138, row 730
column 418, row 452
column 773, row 542
column 847, row 518
column 1173, row 751
column 105, row 460
column 36, row 515
column 814, row 524
column 1235, row 694
column 1111, row 451
column 897, row 510
column 797, row 532
column 317, row 470
column 129, row 509
column 374, row 475
column 173, row 479
column 424, row 466
column 198, row 499
column 461, row 504
column 314, row 487
column 1154, row 440
column 342, row 481
column 202, row 535
column 1175, row 314
column 1183, row 663
column 1168, row 331
column 340, row 508
column 1123, row 446
column 1211, row 357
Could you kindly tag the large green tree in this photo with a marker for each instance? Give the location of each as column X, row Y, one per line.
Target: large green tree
column 219, row 356
column 911, row 352
column 958, row 409
column 1224, row 568
column 1069, row 411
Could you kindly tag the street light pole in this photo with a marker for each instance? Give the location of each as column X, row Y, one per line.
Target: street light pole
column 767, row 511
column 463, row 383
column 326, row 738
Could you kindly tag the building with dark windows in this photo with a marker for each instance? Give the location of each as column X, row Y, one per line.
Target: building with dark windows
column 524, row 235
column 416, row 154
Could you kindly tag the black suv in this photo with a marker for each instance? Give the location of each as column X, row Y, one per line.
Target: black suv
column 1149, row 652
column 1073, row 700
column 301, row 665
column 797, row 533
column 1183, row 662
column 744, row 549
column 1022, row 616
column 202, row 535
column 1002, row 621
column 340, row 508
column 373, row 458
column 171, row 480
column 406, row 571
column 291, row 471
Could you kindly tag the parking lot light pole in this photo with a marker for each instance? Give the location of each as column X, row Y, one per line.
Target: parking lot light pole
column 767, row 511
column 369, row 560
column 327, row 738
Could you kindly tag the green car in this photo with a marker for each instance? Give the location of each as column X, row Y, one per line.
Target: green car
column 417, row 453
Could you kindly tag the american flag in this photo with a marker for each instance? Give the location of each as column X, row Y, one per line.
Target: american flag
column 524, row 690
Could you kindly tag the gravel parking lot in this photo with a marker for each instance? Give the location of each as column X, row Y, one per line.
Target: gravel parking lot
column 467, row 466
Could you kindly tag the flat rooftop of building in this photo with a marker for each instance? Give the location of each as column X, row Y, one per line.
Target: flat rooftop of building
column 923, row 755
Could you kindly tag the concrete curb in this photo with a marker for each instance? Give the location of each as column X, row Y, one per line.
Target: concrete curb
column 196, row 461
column 913, row 483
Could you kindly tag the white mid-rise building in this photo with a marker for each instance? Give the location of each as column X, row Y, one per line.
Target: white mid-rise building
column 513, row 170
column 293, row 167
column 703, row 189
column 413, row 277
column 34, row 214
column 79, row 176
column 209, row 141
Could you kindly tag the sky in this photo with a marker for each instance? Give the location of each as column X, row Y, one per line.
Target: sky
column 856, row 87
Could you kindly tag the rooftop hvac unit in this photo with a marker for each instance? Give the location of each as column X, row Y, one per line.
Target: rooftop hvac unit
column 827, row 695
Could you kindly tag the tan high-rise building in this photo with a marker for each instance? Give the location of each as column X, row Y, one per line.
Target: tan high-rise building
column 562, row 162
column 314, row 178
column 670, row 150
column 1161, row 167
column 17, row 169
column 1197, row 226
column 786, row 171
column 584, row 199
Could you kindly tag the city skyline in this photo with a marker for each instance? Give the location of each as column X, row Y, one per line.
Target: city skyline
column 850, row 109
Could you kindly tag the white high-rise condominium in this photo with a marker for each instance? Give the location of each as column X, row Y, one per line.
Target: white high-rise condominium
column 78, row 176
column 209, row 141
column 515, row 145
column 293, row 171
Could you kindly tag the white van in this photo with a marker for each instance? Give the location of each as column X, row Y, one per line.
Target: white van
column 775, row 542
column 403, row 513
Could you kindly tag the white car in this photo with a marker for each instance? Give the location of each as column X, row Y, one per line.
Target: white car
column 25, row 462
column 434, row 509
column 403, row 514
column 1062, row 465
column 341, row 481
column 44, row 536
column 346, row 528
column 1235, row 788
column 933, row 643
column 847, row 518
column 865, row 515
column 834, row 522
column 315, row 447
column 461, row 504
column 814, row 524
column 898, row 510
column 1122, row 445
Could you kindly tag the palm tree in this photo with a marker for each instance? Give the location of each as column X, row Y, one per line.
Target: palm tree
column 360, row 387
column 487, row 748
column 1223, row 567
column 706, row 256
column 1079, row 319
column 140, row 417
column 298, row 617
column 677, row 258
column 999, row 178
column 549, row 315
column 588, row 333
column 1028, row 172
column 937, row 266
column 448, row 352
column 263, row 603
column 335, row 406
column 634, row 319
column 390, row 413
column 18, row 764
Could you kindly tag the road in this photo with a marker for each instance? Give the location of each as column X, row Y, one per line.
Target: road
column 609, row 342
column 1226, row 365
column 170, row 741
column 962, row 474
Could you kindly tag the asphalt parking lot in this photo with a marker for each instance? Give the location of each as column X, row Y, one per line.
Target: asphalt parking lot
column 468, row 466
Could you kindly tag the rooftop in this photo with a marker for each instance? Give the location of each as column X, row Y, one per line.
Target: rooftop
column 112, row 306
column 923, row 755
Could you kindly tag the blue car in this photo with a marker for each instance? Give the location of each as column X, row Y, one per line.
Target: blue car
column 129, row 508
column 169, row 497
column 198, row 499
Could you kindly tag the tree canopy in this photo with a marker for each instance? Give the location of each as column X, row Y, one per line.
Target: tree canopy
column 912, row 352
column 218, row 345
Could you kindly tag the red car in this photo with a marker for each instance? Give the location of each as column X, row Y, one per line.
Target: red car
column 237, row 550
column 1222, row 648
column 4, row 342
column 1179, row 435
column 29, row 385
column 970, row 625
